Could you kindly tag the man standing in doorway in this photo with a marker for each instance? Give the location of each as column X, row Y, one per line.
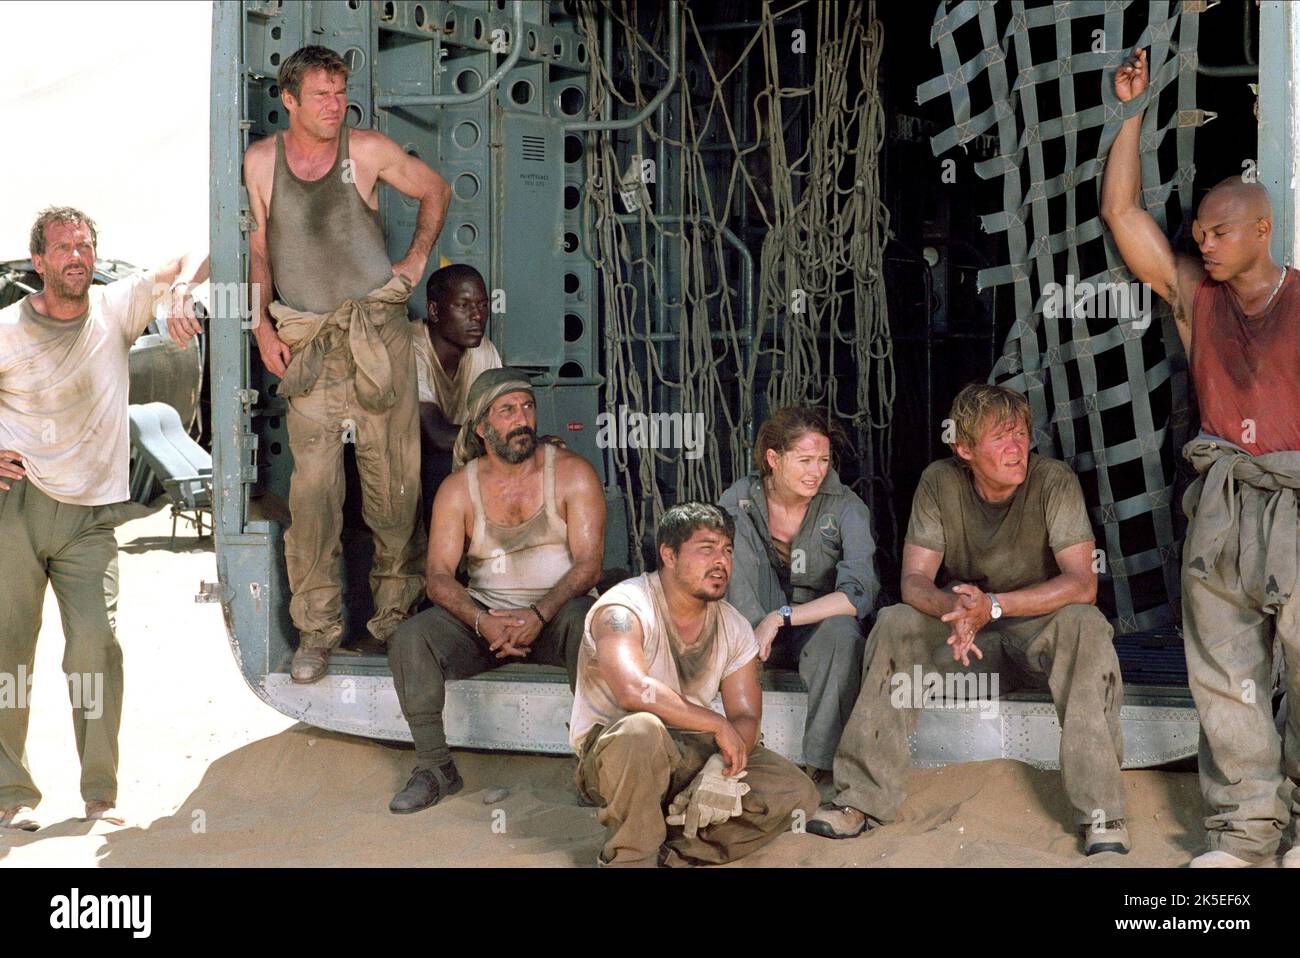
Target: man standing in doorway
column 341, row 343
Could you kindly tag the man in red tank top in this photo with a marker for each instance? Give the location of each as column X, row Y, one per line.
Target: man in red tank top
column 1238, row 316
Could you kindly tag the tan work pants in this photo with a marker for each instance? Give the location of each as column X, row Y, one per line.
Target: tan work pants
column 1072, row 648
column 1250, row 775
column 388, row 462
column 73, row 548
column 634, row 767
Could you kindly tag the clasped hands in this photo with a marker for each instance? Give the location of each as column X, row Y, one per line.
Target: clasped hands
column 972, row 609
column 510, row 632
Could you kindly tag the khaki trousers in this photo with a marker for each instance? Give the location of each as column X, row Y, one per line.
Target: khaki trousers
column 635, row 766
column 1250, row 775
column 1072, row 648
column 74, row 549
column 388, row 463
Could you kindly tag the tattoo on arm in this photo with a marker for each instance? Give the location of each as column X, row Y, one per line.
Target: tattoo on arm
column 618, row 619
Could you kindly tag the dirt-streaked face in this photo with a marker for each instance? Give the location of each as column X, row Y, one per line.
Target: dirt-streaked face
column 1000, row 460
column 702, row 566
column 510, row 429
column 320, row 105
column 68, row 264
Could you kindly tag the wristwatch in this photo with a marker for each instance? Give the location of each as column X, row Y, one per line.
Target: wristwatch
column 996, row 612
column 785, row 615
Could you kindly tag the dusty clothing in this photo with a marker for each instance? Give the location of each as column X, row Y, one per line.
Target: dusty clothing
column 449, row 393
column 725, row 643
column 511, row 567
column 358, row 324
column 1239, row 592
column 434, row 646
column 833, row 551
column 73, row 548
column 834, row 545
column 326, row 245
column 1071, row 649
column 1005, row 546
column 1247, row 370
column 342, row 393
column 63, row 391
column 635, row 767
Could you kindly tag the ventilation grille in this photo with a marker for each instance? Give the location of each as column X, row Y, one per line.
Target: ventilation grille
column 534, row 148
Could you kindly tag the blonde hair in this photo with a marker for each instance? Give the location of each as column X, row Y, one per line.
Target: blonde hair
column 980, row 403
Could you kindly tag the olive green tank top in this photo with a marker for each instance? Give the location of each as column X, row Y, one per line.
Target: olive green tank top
column 326, row 245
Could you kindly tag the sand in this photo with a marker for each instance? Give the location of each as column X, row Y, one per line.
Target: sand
column 212, row 776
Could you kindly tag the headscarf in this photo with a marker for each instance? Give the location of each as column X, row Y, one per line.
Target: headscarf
column 490, row 386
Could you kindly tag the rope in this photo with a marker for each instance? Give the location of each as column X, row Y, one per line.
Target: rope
column 819, row 299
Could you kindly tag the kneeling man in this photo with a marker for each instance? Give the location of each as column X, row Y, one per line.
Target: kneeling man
column 533, row 516
column 656, row 651
column 1007, row 533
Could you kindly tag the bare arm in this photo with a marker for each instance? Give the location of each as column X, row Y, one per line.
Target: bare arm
column 414, row 178
column 446, row 546
column 1076, row 585
column 742, row 699
column 583, row 506
column 257, row 173
column 436, row 429
column 1145, row 249
column 617, row 634
column 920, row 566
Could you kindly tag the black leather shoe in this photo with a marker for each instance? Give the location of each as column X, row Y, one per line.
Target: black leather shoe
column 427, row 787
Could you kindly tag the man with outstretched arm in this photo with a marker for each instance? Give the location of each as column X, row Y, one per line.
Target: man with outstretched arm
column 656, row 651
column 64, row 462
column 341, row 343
column 529, row 518
column 1238, row 317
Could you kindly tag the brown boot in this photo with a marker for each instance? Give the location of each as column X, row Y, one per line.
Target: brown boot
column 309, row 665
column 832, row 821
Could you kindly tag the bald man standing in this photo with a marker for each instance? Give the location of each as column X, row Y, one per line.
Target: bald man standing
column 1238, row 316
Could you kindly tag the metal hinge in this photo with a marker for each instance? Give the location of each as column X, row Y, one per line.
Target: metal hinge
column 212, row 592
column 246, row 222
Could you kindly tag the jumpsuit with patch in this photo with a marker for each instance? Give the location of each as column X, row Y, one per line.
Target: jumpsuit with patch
column 832, row 552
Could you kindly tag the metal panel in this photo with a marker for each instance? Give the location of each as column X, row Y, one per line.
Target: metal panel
column 526, row 708
column 1279, row 74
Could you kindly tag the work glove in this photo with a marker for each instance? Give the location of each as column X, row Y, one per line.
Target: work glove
column 710, row 799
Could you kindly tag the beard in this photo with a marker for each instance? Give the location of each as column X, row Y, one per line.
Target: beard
column 66, row 288
column 501, row 445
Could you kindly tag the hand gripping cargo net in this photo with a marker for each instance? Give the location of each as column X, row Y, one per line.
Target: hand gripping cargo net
column 1108, row 388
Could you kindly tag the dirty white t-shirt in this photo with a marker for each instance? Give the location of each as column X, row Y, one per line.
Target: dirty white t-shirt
column 63, row 391
column 449, row 393
column 696, row 676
